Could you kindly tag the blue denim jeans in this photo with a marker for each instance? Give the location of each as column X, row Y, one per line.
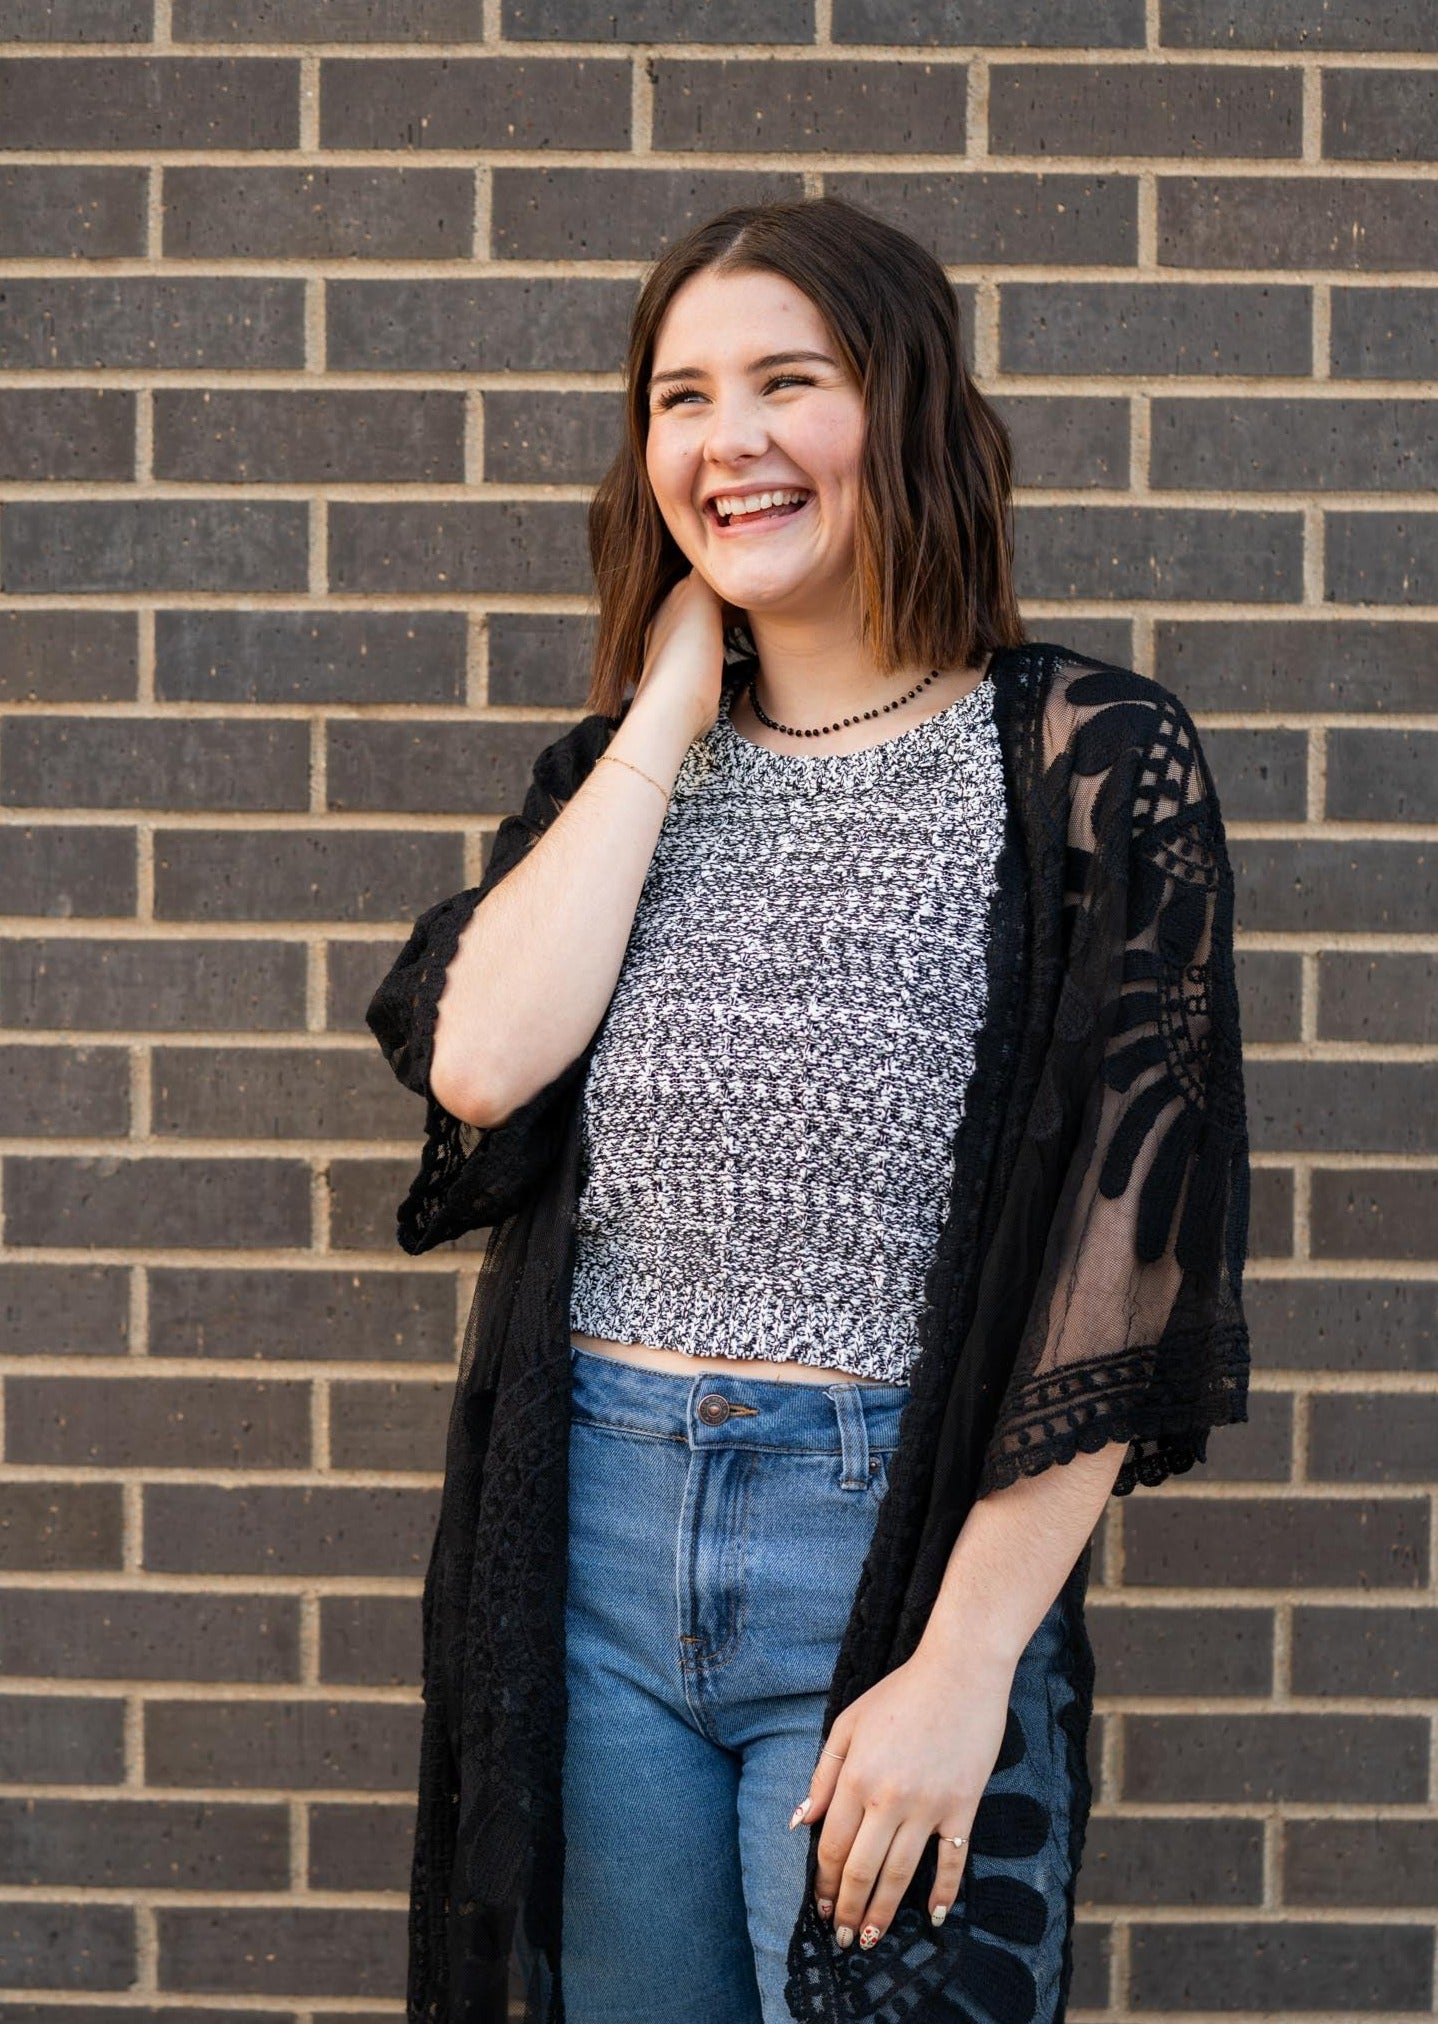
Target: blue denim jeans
column 717, row 1527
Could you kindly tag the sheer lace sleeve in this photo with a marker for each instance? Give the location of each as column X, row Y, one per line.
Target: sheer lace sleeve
column 1136, row 1331
column 469, row 1178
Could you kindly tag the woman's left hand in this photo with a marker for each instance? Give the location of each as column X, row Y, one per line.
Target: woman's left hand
column 918, row 1749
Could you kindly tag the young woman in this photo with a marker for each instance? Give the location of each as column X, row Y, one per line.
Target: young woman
column 842, row 1052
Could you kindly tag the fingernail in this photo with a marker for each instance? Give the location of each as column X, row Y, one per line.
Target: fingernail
column 826, row 1907
column 844, row 1937
column 869, row 1937
column 939, row 1914
column 798, row 1814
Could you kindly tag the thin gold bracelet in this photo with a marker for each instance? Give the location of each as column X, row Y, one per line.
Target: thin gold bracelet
column 636, row 769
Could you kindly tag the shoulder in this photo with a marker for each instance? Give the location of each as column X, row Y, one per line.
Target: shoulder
column 1098, row 715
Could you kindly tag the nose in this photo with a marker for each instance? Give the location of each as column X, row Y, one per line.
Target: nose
column 736, row 431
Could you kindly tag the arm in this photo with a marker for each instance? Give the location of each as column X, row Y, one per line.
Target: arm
column 911, row 1770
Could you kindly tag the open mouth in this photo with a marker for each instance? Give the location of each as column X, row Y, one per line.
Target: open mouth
column 759, row 515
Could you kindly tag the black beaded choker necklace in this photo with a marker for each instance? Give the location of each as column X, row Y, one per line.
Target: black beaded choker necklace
column 844, row 722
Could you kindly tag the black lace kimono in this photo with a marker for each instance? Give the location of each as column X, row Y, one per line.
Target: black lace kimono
column 1086, row 1288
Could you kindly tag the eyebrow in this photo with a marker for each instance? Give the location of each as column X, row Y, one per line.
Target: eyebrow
column 683, row 372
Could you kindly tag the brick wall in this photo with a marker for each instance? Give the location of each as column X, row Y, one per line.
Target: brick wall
column 309, row 328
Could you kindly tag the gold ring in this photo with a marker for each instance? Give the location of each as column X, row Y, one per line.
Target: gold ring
column 957, row 1839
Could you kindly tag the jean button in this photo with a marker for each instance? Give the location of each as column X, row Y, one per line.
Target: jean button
column 713, row 1409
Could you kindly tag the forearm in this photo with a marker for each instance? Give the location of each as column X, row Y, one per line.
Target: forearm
column 1016, row 1549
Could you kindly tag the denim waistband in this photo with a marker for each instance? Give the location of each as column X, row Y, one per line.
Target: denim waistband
column 710, row 1410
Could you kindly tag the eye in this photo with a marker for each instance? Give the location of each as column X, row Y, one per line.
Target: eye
column 677, row 394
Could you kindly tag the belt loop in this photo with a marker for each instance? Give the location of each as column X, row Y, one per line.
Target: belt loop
column 853, row 1435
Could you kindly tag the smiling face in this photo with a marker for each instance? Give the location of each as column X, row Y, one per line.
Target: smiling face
column 733, row 414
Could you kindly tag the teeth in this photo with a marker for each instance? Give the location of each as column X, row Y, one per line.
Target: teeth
column 736, row 504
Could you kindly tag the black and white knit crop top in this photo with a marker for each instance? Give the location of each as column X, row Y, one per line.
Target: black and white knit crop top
column 769, row 1111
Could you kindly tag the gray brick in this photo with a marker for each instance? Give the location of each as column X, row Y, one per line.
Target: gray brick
column 480, row 768
column 77, row 21
column 1295, row 445
column 61, row 1741
column 324, row 21
column 1386, row 1862
column 310, row 656
column 69, row 873
column 1270, row 1228
column 149, row 103
column 1074, row 440
column 713, row 21
column 192, row 986
column 364, row 1195
column 189, row 1203
column 347, row 1317
column 157, row 1422
column 64, row 1310
column 370, row 1640
column 1264, row 1542
column 275, row 437
column 361, row 1847
column 752, row 104
column 145, row 1634
column 154, row 762
column 1381, row 558
column 155, row 544
column 1349, row 1325
column 204, row 322
column 1092, row 1957
column 66, row 434
column 385, row 1424
column 280, row 1093
column 1011, row 216
column 49, row 656
column 542, row 323
column 539, row 437
column 1144, row 109
column 1262, row 776
column 616, row 213
column 1382, row 776
column 278, row 1951
column 65, row 1092
column 50, row 1946
column 1038, row 24
column 1365, row 1759
column 131, row 2013
column 1133, row 1861
column 59, row 1527
column 1125, row 552
column 199, row 1529
column 539, row 658
column 1380, row 116
column 1283, row 886
column 1374, row 1213
column 517, row 547
column 303, row 875
column 1298, row 24
column 1151, row 1649
column 318, row 214
column 1379, row 1437
column 1383, row 333
column 1256, row 1450
column 1342, row 1106
column 489, row 102
column 312, row 1745
column 1381, row 998
column 1260, row 221
column 1384, row 1651
column 1269, row 987
column 1299, row 664
column 144, row 1844
column 1280, row 1969
column 1153, row 327
column 84, row 213
column 353, row 974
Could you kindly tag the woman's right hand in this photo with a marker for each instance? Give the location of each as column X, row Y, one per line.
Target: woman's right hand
column 684, row 654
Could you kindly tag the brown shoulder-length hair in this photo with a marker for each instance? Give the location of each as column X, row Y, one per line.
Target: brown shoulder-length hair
column 934, row 540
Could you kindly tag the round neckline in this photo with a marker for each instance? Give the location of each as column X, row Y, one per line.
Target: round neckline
column 940, row 719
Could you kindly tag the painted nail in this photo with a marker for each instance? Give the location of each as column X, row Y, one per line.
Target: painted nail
column 869, row 1937
column 844, row 1937
column 938, row 1914
column 798, row 1814
column 826, row 1907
